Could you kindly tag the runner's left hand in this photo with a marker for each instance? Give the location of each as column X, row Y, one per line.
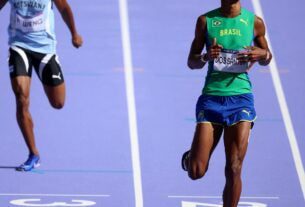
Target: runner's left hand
column 77, row 40
column 252, row 54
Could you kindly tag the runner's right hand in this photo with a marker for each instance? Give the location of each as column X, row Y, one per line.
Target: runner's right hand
column 77, row 40
column 214, row 50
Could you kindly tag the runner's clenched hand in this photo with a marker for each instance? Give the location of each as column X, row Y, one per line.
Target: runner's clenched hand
column 214, row 50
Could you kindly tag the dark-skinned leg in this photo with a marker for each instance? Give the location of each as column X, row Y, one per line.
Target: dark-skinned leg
column 205, row 140
column 56, row 95
column 21, row 88
column 236, row 142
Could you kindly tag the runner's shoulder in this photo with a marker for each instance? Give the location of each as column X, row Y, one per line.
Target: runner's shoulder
column 259, row 21
column 259, row 26
column 202, row 20
column 210, row 14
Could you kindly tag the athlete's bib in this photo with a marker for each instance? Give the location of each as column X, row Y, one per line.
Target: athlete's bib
column 227, row 62
column 26, row 25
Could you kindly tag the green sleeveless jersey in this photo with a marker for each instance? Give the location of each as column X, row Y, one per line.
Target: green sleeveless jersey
column 233, row 34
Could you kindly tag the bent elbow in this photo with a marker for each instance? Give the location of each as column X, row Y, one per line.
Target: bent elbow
column 191, row 65
column 265, row 63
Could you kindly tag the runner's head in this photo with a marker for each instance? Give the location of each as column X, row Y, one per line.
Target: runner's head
column 229, row 5
column 229, row 1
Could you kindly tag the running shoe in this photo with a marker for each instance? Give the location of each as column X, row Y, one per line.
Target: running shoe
column 31, row 163
column 185, row 160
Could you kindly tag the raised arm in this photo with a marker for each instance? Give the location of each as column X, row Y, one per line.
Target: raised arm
column 67, row 15
column 2, row 3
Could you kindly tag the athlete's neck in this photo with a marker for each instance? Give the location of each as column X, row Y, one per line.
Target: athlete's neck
column 230, row 8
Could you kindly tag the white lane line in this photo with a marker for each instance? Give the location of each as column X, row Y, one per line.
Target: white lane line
column 133, row 129
column 284, row 107
column 53, row 195
column 220, row 197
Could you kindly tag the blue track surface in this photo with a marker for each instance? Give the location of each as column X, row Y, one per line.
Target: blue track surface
column 86, row 148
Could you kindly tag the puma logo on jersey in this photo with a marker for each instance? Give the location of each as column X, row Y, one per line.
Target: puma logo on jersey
column 56, row 76
column 244, row 21
column 247, row 112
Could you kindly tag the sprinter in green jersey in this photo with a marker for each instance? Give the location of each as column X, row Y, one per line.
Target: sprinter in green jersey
column 226, row 105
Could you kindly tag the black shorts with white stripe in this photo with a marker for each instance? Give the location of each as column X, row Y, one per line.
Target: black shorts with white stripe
column 47, row 67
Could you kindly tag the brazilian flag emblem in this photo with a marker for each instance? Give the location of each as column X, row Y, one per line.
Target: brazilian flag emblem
column 216, row 23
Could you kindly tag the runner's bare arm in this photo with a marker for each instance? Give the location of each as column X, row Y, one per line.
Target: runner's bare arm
column 2, row 3
column 195, row 57
column 67, row 15
column 260, row 40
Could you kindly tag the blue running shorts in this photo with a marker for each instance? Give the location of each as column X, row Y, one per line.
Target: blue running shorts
column 225, row 110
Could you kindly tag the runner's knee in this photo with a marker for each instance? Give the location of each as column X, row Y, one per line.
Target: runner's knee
column 22, row 99
column 58, row 104
column 233, row 169
column 197, row 170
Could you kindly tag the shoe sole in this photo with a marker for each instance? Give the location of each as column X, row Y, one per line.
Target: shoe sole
column 36, row 165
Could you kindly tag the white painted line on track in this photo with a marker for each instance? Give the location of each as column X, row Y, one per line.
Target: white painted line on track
column 284, row 107
column 220, row 197
column 53, row 195
column 133, row 129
